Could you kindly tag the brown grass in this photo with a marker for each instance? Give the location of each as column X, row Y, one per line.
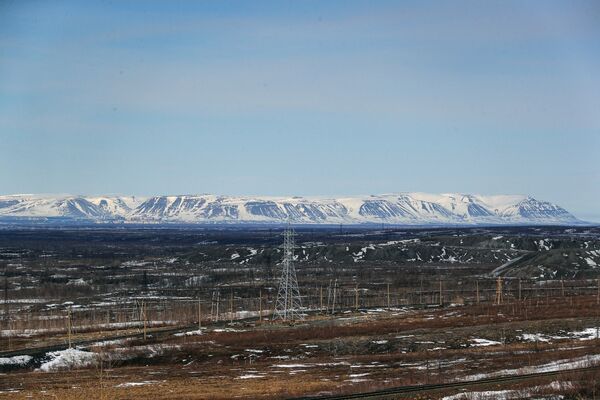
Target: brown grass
column 203, row 367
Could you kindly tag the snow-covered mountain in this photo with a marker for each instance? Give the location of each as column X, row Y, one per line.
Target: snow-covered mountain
column 402, row 208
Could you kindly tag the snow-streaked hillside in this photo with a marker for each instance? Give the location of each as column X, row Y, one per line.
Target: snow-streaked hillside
column 403, row 208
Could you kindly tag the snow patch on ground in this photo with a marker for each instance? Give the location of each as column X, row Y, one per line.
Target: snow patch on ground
column 534, row 337
column 333, row 364
column 133, row 384
column 484, row 342
column 15, row 361
column 586, row 334
column 250, row 376
column 590, row 262
column 189, row 333
column 68, row 359
column 488, row 394
column 558, row 365
column 543, row 246
column 228, row 330
column 509, row 394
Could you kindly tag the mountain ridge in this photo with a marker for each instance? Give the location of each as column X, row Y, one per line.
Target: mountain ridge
column 414, row 208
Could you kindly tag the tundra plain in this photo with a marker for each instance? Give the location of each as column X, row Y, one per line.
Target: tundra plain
column 185, row 312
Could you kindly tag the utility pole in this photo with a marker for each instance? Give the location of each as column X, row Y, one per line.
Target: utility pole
column 145, row 320
column 69, row 326
column 329, row 292
column 214, row 305
column 388, row 296
column 218, row 305
column 260, row 312
column 477, row 290
column 199, row 315
column 519, row 289
column 356, row 298
column 231, row 307
column 321, row 299
column 333, row 304
column 6, row 305
column 441, row 294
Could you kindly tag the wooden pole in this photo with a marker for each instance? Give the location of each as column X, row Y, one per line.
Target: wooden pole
column 499, row 291
column 260, row 312
column 321, row 299
column 441, row 294
column 9, row 335
column 333, row 303
column 6, row 306
column 145, row 319
column 69, row 325
column 199, row 315
column 562, row 287
column 598, row 295
column 477, row 290
column 356, row 298
column 218, row 305
column 519, row 289
column 388, row 296
column 231, row 306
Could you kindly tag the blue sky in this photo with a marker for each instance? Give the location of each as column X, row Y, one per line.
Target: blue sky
column 302, row 98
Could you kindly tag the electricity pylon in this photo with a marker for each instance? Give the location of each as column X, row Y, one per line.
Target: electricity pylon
column 288, row 304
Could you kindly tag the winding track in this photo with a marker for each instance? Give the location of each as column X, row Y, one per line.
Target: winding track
column 412, row 390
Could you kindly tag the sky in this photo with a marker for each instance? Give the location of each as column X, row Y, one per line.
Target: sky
column 302, row 98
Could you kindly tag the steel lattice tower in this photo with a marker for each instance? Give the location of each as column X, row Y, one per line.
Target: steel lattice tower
column 288, row 304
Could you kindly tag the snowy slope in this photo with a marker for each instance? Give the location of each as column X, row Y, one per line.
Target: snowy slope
column 402, row 208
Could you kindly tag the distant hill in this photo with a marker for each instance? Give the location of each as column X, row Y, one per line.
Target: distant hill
column 398, row 209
